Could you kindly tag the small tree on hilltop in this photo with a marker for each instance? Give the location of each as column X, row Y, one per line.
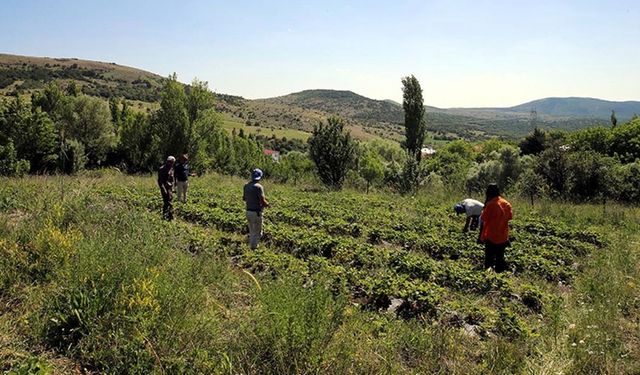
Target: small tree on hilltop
column 415, row 126
column 614, row 119
column 333, row 151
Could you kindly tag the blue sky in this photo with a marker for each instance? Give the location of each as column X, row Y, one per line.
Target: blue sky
column 465, row 53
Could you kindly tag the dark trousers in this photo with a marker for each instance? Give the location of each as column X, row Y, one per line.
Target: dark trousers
column 494, row 256
column 167, row 206
column 474, row 222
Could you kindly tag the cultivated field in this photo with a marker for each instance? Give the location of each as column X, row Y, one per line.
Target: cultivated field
column 343, row 282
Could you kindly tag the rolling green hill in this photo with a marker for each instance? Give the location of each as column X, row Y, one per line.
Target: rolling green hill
column 580, row 107
column 386, row 117
column 346, row 104
column 296, row 114
column 19, row 74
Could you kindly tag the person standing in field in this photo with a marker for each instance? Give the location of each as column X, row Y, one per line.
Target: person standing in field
column 182, row 177
column 494, row 228
column 473, row 209
column 255, row 200
column 166, row 182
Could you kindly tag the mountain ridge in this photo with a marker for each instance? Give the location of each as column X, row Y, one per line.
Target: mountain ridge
column 304, row 109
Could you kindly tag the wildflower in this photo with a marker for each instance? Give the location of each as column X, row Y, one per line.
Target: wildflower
column 572, row 326
column 574, row 344
column 581, row 342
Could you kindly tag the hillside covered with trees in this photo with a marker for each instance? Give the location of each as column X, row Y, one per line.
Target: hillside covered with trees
column 366, row 118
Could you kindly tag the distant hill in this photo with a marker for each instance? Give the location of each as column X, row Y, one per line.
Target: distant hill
column 343, row 103
column 580, row 107
column 385, row 117
column 25, row 73
column 366, row 118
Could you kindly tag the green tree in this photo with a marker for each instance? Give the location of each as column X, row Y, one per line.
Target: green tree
column 137, row 143
column 510, row 166
column 296, row 164
column 596, row 139
column 333, row 152
column 555, row 167
column 629, row 189
column 51, row 100
column 172, row 120
column 199, row 99
column 534, row 143
column 74, row 157
column 371, row 168
column 410, row 176
column 91, row 125
column 614, row 120
column 73, row 89
column 531, row 185
column 415, row 126
column 205, row 134
column 39, row 142
column 31, row 132
column 114, row 108
column 625, row 141
column 483, row 174
column 488, row 148
column 10, row 165
column 591, row 176
column 388, row 150
column 451, row 166
column 15, row 119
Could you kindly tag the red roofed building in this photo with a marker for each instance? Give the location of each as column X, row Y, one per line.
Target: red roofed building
column 275, row 155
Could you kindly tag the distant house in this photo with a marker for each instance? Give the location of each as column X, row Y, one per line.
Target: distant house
column 427, row 152
column 275, row 155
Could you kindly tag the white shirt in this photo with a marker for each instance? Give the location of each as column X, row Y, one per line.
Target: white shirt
column 472, row 207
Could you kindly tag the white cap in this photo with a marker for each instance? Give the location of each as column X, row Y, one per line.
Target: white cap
column 171, row 158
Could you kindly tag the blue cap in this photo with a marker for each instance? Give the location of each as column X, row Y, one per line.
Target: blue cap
column 256, row 174
column 458, row 208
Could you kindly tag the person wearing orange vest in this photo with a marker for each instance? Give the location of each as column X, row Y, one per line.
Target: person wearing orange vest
column 494, row 228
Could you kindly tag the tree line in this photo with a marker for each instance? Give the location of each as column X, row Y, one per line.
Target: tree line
column 590, row 165
column 61, row 130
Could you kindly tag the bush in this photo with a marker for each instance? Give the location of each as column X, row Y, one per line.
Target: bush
column 482, row 175
column 9, row 164
column 333, row 152
column 534, row 143
column 629, row 188
column 592, row 176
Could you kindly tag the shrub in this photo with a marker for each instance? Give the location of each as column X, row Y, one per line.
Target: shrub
column 333, row 152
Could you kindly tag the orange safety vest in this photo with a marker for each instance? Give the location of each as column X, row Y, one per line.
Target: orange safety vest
column 495, row 221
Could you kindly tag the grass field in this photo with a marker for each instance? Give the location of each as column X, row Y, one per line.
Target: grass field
column 343, row 283
column 229, row 124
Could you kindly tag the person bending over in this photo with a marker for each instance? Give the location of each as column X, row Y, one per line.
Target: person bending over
column 473, row 209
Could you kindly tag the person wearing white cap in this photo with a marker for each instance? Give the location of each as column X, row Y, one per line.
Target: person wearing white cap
column 253, row 195
column 166, row 182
